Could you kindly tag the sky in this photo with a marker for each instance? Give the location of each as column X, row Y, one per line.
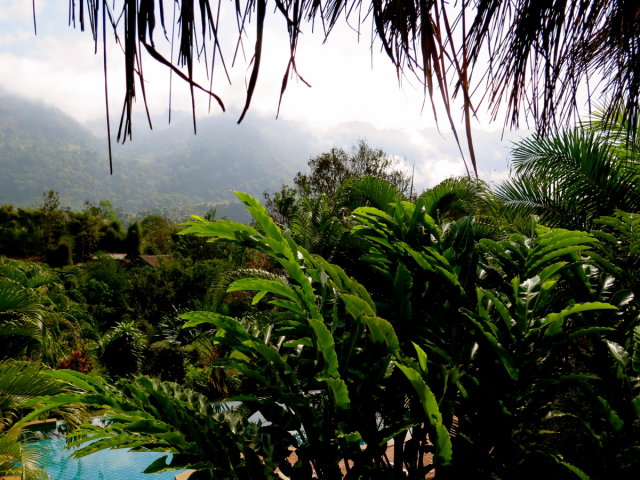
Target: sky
column 354, row 91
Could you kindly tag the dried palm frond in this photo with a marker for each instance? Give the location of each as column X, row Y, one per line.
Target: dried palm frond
column 530, row 57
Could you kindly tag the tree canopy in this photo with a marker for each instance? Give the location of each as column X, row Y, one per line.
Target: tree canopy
column 529, row 58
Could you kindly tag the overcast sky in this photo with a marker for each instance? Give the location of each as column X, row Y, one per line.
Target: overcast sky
column 353, row 92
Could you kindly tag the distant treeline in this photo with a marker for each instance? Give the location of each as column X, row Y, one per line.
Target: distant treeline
column 61, row 236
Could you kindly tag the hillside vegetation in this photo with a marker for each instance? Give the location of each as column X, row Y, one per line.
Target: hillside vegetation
column 43, row 149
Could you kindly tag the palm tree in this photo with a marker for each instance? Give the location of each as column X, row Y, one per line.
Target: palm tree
column 21, row 382
column 571, row 178
column 529, row 57
column 29, row 310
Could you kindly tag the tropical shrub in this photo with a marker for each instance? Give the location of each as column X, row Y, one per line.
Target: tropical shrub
column 122, row 350
column 165, row 360
column 79, row 360
column 60, row 256
column 504, row 356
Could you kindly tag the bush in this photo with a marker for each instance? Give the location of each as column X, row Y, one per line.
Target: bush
column 165, row 360
column 78, row 360
column 60, row 256
column 123, row 350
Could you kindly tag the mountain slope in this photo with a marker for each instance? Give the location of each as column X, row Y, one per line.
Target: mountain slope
column 162, row 170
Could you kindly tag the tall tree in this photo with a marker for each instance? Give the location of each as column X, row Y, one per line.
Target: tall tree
column 330, row 170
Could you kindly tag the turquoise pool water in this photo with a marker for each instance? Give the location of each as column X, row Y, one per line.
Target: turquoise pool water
column 104, row 465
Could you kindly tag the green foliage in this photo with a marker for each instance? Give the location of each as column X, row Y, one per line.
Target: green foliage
column 122, row 350
column 528, row 356
column 106, row 288
column 503, row 354
column 571, row 178
column 133, row 241
column 156, row 234
column 113, row 237
column 149, row 415
column 21, row 382
column 172, row 287
column 337, row 320
column 330, row 170
column 165, row 360
column 35, row 312
column 60, row 256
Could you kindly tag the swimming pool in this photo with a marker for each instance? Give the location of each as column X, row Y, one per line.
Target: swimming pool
column 102, row 465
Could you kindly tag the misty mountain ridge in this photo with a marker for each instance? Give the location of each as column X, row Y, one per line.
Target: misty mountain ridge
column 168, row 170
column 172, row 172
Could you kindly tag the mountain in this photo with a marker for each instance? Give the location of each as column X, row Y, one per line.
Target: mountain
column 168, row 170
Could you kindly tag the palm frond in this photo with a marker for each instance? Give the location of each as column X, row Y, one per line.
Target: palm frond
column 370, row 191
column 453, row 198
column 16, row 300
column 19, row 459
column 529, row 57
column 20, row 381
column 569, row 179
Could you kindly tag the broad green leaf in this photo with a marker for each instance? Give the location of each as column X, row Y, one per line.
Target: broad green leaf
column 49, row 403
column 381, row 331
column 275, row 287
column 258, row 296
column 356, row 306
column 339, row 390
column 287, row 305
column 243, row 367
column 572, row 468
column 499, row 306
column 614, row 419
column 555, row 321
column 505, row 358
column 532, row 268
column 619, row 353
column 551, row 270
column 433, row 262
column 590, row 331
column 158, row 465
column 325, row 345
column 223, row 322
column 262, row 218
column 77, row 379
column 429, row 403
column 422, row 357
column 266, row 352
column 219, row 229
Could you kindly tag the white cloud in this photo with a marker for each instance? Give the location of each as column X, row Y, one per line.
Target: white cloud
column 349, row 98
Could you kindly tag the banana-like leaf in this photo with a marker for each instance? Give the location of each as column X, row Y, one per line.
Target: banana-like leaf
column 619, row 353
column 219, row 230
column 266, row 223
column 325, row 344
column 422, row 358
column 356, row 306
column 381, row 331
column 339, row 391
column 572, row 468
column 505, row 358
column 275, row 287
column 555, row 321
column 431, row 409
column 223, row 322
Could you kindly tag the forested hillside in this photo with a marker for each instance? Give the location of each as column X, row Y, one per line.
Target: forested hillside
column 43, row 149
